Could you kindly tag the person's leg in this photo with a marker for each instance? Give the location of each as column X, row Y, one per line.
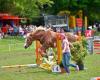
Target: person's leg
column 64, row 63
column 70, row 64
column 67, row 59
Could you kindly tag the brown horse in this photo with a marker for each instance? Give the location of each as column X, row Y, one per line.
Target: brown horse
column 47, row 38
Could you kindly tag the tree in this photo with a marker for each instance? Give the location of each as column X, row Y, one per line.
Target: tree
column 6, row 5
column 33, row 8
column 90, row 8
column 25, row 8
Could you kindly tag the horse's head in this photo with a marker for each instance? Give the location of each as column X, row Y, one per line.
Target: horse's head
column 28, row 40
column 34, row 35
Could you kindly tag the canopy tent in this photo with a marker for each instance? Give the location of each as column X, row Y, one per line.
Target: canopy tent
column 10, row 17
column 7, row 17
column 4, row 16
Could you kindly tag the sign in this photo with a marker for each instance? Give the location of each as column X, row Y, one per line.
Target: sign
column 88, row 33
column 56, row 68
column 96, row 44
column 79, row 22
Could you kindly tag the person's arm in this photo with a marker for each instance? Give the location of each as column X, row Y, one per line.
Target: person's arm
column 65, row 46
column 70, row 44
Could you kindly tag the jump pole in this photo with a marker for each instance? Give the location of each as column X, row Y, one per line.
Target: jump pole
column 59, row 49
column 19, row 66
column 38, row 56
column 38, row 60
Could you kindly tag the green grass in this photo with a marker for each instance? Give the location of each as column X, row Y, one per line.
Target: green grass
column 13, row 44
column 18, row 55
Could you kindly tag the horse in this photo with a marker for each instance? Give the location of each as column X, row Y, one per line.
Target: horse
column 47, row 38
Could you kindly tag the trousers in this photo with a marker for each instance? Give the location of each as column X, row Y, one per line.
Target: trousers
column 66, row 61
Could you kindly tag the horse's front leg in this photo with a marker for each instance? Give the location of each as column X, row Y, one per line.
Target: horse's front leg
column 43, row 52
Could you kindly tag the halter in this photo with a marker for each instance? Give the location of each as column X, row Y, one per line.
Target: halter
column 29, row 38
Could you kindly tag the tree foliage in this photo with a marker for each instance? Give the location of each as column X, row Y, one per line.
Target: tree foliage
column 79, row 50
column 89, row 8
column 24, row 8
column 5, row 5
column 33, row 8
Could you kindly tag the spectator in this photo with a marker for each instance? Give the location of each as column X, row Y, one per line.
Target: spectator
column 16, row 31
column 21, row 31
column 5, row 30
column 1, row 34
column 11, row 30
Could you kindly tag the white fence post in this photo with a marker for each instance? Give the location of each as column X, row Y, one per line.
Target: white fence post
column 9, row 48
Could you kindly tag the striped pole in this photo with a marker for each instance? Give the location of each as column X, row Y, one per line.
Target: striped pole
column 96, row 47
column 85, row 23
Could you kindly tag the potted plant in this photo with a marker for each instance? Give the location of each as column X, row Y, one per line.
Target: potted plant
column 79, row 52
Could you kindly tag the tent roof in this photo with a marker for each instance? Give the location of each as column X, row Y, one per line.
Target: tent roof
column 7, row 17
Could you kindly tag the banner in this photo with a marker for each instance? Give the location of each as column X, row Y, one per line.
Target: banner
column 72, row 22
column 79, row 22
column 88, row 33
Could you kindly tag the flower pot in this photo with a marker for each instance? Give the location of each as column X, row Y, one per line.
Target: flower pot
column 81, row 66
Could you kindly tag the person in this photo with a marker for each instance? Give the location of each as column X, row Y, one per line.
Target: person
column 79, row 37
column 15, row 30
column 4, row 30
column 1, row 34
column 67, row 54
column 11, row 29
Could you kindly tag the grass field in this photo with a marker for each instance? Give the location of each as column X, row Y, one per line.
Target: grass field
column 12, row 53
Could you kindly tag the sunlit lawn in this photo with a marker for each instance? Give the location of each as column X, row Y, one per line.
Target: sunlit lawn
column 12, row 53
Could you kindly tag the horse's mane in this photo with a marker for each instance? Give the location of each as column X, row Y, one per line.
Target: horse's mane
column 37, row 30
column 40, row 28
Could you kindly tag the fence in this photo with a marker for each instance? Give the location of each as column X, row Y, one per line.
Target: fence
column 90, row 45
column 96, row 44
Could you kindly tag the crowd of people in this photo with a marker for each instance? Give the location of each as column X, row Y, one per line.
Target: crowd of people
column 15, row 30
column 95, row 26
